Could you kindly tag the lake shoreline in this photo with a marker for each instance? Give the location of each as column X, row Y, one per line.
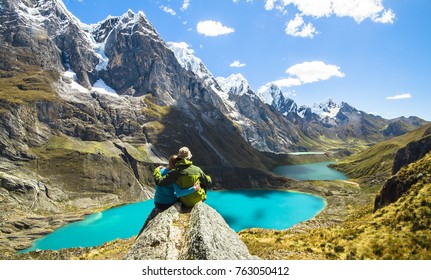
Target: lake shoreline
column 336, row 194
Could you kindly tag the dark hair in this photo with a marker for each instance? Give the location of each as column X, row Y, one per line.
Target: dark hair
column 172, row 160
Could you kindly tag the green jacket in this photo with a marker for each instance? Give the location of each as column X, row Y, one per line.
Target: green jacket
column 185, row 174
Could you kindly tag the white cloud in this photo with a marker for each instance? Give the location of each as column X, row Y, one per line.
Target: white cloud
column 298, row 28
column 185, row 5
column 183, row 45
column 168, row 10
column 359, row 10
column 386, row 17
column 269, row 4
column 213, row 28
column 314, row 71
column 311, row 7
column 288, row 82
column 307, row 72
column 400, row 96
column 237, row 64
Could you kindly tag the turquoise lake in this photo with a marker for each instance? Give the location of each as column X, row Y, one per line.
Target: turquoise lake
column 306, row 153
column 240, row 208
column 310, row 171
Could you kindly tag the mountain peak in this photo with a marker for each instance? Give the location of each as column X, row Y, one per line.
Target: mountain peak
column 272, row 94
column 234, row 84
column 185, row 56
column 43, row 14
column 328, row 109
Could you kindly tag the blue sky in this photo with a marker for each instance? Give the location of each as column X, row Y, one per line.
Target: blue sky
column 373, row 54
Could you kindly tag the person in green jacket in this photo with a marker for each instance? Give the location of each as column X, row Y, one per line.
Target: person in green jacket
column 168, row 195
column 185, row 174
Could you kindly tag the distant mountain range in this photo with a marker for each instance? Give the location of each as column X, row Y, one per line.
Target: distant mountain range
column 340, row 122
column 119, row 81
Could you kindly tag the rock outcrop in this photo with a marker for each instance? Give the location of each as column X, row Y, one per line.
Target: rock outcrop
column 405, row 176
column 201, row 234
column 413, row 151
column 417, row 169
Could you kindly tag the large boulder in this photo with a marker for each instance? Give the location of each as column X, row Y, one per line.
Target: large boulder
column 201, row 234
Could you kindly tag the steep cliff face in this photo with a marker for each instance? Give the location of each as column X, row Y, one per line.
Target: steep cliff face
column 44, row 34
column 201, row 234
column 150, row 97
column 413, row 151
column 411, row 167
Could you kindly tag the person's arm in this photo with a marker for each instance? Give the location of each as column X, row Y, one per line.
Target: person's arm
column 165, row 180
column 205, row 179
column 179, row 192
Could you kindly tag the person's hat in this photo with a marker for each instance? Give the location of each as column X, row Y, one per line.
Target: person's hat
column 184, row 152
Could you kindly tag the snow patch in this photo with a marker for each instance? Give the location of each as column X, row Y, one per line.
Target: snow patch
column 329, row 109
column 234, row 84
column 71, row 78
column 100, row 87
column 185, row 56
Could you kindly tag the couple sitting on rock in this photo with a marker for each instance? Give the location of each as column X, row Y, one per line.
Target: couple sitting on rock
column 180, row 181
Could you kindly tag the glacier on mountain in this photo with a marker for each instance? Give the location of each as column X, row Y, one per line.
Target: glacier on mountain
column 327, row 109
column 185, row 56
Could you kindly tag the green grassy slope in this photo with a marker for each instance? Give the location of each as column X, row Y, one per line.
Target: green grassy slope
column 378, row 159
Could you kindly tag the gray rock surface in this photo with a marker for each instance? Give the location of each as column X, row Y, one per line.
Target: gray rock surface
column 201, row 234
column 160, row 240
column 210, row 238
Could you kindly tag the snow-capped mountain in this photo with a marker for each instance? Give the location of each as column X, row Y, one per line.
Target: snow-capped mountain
column 273, row 95
column 235, row 84
column 243, row 106
column 327, row 109
column 325, row 112
column 124, row 56
column 334, row 120
column 185, row 56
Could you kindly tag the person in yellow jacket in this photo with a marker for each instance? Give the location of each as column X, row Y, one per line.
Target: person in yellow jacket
column 185, row 174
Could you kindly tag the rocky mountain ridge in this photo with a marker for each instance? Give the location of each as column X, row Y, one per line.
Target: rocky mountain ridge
column 270, row 108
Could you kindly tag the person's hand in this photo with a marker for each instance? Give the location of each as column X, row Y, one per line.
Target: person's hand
column 197, row 186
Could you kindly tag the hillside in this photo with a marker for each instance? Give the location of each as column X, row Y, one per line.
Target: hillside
column 399, row 231
column 377, row 161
